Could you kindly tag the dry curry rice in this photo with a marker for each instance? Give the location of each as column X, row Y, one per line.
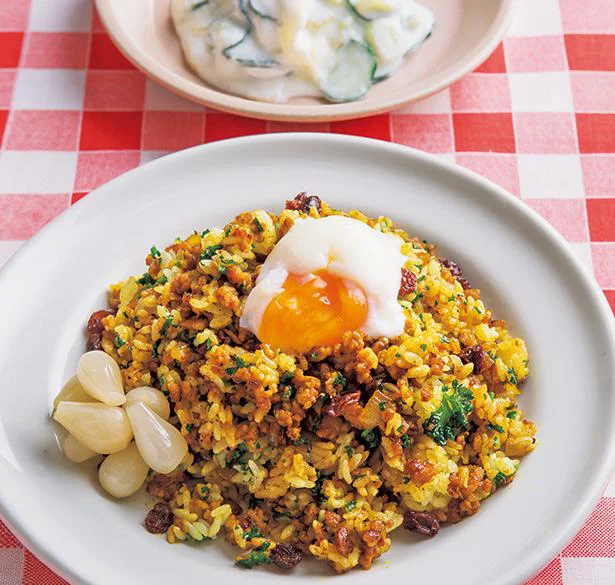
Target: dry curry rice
column 323, row 453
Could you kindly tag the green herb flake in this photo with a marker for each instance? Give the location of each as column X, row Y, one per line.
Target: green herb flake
column 239, row 455
column 119, row 342
column 452, row 299
column 512, row 376
column 255, row 557
column 207, row 345
column 420, row 278
column 499, row 478
column 478, row 310
column 167, row 323
column 204, row 233
column 156, row 348
column 444, row 339
column 369, row 438
column 493, row 427
column 452, row 417
column 349, row 450
column 350, row 506
column 382, row 405
column 155, row 253
column 423, row 346
column 512, row 414
column 210, row 251
column 146, row 279
column 239, row 363
column 204, row 492
column 189, row 427
column 406, row 441
column 254, row 532
column 259, row 225
column 400, row 428
column 339, row 380
column 491, row 395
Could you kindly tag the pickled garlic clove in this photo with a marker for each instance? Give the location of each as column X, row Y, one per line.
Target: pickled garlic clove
column 75, row 451
column 102, row 428
column 122, row 474
column 160, row 443
column 100, row 377
column 151, row 397
column 72, row 391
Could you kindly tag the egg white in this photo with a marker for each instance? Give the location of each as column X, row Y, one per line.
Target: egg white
column 346, row 248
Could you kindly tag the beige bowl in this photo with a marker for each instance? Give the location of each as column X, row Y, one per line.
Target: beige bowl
column 467, row 32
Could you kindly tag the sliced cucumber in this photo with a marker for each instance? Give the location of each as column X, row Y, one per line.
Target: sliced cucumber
column 352, row 74
column 198, row 5
column 373, row 9
column 250, row 53
column 268, row 9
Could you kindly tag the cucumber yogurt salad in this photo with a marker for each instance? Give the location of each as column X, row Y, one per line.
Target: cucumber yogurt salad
column 274, row 50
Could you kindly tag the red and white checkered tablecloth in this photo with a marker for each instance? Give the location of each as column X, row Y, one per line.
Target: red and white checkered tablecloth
column 538, row 118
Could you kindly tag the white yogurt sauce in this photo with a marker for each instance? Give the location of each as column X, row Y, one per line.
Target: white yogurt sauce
column 273, row 50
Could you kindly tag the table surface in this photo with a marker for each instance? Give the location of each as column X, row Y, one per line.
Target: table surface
column 538, row 118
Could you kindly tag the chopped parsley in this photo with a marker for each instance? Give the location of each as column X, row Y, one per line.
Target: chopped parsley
column 239, row 363
column 417, row 296
column 350, row 506
column 339, row 380
column 210, row 251
column 369, row 438
column 423, row 346
column 155, row 253
column 259, row 225
column 256, row 557
column 497, row 428
column 239, row 455
column 228, row 230
column 254, row 532
column 300, row 441
column 146, row 279
column 207, row 344
column 400, row 428
column 189, row 427
column 349, row 450
column 286, row 382
column 119, row 342
column 167, row 323
column 444, row 339
column 204, row 233
column 204, row 492
column 478, row 310
column 452, row 298
column 499, row 478
column 406, row 441
column 420, row 278
column 156, row 348
column 452, row 417
column 512, row 376
column 491, row 395
column 382, row 405
column 512, row 414
column 286, row 378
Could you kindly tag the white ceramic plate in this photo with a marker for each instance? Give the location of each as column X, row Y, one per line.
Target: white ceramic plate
column 467, row 32
column 523, row 267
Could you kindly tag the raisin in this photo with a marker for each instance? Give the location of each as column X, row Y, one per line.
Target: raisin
column 95, row 329
column 419, row 471
column 339, row 403
column 408, row 282
column 286, row 556
column 342, row 541
column 159, row 519
column 456, row 272
column 95, row 324
column 94, row 342
column 477, row 356
column 303, row 202
column 422, row 522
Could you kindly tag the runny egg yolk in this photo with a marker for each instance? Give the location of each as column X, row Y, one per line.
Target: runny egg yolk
column 311, row 310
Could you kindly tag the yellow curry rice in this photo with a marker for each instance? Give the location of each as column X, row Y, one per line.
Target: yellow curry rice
column 323, row 452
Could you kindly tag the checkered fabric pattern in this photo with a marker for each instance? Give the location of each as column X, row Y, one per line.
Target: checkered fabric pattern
column 538, row 118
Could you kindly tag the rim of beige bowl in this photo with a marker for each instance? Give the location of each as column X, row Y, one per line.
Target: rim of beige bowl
column 220, row 100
